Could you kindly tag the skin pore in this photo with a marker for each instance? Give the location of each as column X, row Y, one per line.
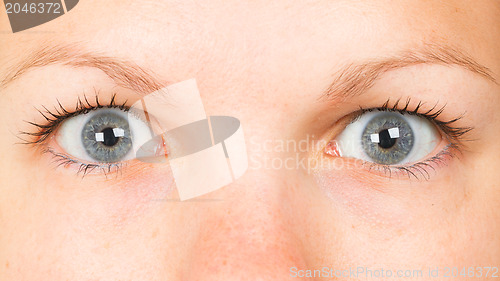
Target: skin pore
column 279, row 67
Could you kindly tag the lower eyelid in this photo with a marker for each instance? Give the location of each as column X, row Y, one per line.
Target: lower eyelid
column 79, row 167
column 422, row 170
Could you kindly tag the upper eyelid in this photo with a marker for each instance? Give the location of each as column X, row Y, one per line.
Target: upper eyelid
column 54, row 118
column 84, row 105
column 433, row 113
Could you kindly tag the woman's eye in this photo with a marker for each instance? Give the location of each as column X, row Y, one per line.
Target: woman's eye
column 102, row 135
column 388, row 138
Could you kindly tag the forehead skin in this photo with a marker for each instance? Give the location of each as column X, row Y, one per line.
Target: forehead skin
column 261, row 61
column 227, row 40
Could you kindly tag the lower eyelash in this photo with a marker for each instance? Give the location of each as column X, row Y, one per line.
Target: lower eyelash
column 420, row 169
column 84, row 169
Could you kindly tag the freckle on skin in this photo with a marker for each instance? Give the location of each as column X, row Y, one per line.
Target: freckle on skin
column 7, row 264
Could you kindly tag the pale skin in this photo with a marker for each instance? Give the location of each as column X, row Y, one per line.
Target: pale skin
column 267, row 64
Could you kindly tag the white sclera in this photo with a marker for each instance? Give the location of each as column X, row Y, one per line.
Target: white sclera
column 425, row 133
column 69, row 135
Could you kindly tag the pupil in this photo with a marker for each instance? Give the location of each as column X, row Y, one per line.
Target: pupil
column 109, row 137
column 385, row 140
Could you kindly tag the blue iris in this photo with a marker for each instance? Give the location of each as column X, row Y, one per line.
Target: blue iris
column 387, row 138
column 106, row 137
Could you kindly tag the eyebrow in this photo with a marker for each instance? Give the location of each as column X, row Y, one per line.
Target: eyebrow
column 351, row 80
column 354, row 79
column 123, row 73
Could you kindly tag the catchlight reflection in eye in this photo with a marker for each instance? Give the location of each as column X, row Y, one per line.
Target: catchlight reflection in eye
column 388, row 138
column 102, row 135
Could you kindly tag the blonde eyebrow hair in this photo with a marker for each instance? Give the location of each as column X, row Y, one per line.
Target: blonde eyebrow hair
column 123, row 73
column 351, row 80
column 354, row 79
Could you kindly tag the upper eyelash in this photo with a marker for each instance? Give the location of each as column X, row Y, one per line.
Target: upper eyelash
column 60, row 113
column 433, row 114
